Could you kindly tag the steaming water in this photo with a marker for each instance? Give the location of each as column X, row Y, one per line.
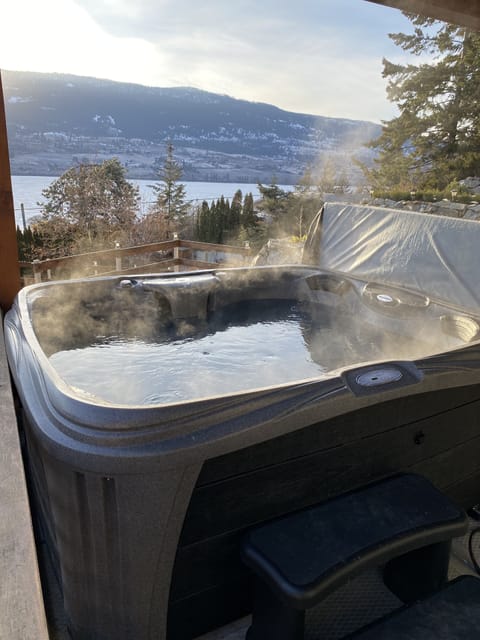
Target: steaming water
column 237, row 357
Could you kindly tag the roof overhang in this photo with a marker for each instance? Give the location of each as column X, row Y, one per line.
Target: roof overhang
column 462, row 12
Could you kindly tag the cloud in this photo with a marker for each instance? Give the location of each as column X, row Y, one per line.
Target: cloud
column 317, row 56
column 312, row 56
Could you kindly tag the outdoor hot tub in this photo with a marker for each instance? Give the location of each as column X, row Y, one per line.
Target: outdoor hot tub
column 165, row 414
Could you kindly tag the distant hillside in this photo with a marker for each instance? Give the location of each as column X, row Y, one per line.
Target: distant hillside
column 57, row 120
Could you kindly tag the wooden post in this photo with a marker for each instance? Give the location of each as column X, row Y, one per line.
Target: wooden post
column 23, row 216
column 118, row 258
column 37, row 271
column 176, row 252
column 9, row 267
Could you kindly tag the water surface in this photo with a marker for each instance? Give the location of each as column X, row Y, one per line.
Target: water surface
column 27, row 190
column 226, row 357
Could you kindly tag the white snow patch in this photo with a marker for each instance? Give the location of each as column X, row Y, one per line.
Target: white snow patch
column 104, row 119
column 19, row 99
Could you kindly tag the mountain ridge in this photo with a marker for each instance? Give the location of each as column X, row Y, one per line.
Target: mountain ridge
column 57, row 120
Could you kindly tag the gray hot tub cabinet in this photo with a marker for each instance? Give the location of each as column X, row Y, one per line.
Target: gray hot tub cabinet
column 144, row 506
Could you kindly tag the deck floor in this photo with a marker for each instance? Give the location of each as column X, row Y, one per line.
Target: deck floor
column 21, row 609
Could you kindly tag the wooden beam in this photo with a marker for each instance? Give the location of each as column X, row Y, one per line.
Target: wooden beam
column 462, row 12
column 9, row 268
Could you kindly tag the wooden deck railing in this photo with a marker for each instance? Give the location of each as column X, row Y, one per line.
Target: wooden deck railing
column 171, row 255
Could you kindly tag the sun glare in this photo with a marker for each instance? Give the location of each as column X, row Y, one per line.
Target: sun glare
column 59, row 36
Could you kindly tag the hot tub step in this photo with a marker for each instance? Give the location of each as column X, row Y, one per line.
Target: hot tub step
column 301, row 558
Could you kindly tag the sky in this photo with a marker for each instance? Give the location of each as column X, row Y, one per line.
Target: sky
column 320, row 57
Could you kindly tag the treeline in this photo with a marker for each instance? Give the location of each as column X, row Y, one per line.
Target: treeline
column 85, row 226
column 223, row 222
column 94, row 207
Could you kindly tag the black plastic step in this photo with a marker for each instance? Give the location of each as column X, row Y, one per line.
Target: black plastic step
column 304, row 556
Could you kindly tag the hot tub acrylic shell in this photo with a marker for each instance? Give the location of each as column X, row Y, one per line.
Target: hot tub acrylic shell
column 143, row 506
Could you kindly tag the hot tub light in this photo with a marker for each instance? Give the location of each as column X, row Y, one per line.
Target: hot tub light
column 384, row 298
column 376, row 377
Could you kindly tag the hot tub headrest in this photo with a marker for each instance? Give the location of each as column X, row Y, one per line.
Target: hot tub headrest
column 436, row 255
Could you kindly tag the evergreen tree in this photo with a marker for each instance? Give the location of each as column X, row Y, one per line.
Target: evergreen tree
column 248, row 217
column 435, row 139
column 221, row 222
column 275, row 205
column 208, row 228
column 236, row 210
column 222, row 219
column 171, row 201
column 203, row 222
column 252, row 230
column 216, row 233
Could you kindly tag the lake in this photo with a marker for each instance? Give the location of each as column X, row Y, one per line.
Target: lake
column 28, row 190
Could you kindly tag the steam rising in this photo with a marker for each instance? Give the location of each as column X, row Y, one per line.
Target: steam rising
column 139, row 342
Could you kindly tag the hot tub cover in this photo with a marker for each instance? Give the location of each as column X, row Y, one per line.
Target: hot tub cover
column 436, row 255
